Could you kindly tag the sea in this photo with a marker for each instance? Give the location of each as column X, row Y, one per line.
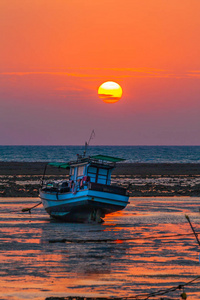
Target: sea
column 132, row 154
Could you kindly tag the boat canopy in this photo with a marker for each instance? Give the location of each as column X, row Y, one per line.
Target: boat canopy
column 95, row 157
column 60, row 165
column 108, row 158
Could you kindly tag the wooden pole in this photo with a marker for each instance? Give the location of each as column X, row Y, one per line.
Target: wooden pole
column 196, row 235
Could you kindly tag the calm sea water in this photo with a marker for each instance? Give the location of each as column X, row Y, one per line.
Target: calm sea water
column 146, row 154
column 135, row 251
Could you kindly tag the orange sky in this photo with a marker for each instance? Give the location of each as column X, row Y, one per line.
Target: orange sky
column 55, row 54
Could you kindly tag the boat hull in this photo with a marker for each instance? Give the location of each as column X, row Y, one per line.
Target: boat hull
column 84, row 206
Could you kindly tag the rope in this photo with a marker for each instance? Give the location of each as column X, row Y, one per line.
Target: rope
column 118, row 240
column 141, row 296
column 29, row 209
column 163, row 292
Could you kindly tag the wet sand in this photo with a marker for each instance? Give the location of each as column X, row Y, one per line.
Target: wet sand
column 147, row 247
column 141, row 169
column 19, row 179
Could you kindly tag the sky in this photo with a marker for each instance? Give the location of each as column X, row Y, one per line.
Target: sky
column 54, row 55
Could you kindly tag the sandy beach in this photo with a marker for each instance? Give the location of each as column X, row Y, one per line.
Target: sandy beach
column 22, row 179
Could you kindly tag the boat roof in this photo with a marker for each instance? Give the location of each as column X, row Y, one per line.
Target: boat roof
column 60, row 165
column 99, row 159
column 107, row 158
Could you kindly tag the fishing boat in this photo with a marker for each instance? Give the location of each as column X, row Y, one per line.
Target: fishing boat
column 87, row 195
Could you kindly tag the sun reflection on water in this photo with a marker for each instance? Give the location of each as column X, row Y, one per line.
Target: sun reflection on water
column 143, row 248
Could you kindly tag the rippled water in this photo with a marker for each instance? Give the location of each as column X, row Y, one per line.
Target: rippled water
column 125, row 256
column 145, row 154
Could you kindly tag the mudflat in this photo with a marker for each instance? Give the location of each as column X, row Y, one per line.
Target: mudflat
column 142, row 169
column 22, row 179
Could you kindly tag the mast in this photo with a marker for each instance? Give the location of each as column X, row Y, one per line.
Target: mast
column 92, row 136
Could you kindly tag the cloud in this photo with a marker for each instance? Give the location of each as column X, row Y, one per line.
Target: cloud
column 194, row 73
column 91, row 73
column 63, row 89
column 45, row 73
column 105, row 95
column 108, row 98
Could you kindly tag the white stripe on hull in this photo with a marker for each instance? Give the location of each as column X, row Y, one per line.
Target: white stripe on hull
column 51, row 200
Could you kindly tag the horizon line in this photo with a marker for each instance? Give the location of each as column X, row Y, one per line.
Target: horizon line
column 71, row 145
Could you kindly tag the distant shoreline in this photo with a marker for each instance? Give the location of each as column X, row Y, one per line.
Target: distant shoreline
column 141, row 169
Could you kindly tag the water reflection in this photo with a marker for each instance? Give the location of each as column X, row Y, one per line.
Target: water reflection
column 125, row 256
column 89, row 248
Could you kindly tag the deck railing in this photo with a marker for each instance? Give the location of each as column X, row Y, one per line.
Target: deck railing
column 107, row 188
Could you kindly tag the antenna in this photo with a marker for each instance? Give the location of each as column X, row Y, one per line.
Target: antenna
column 92, row 136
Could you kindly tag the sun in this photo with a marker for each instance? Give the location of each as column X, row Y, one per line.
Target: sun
column 110, row 92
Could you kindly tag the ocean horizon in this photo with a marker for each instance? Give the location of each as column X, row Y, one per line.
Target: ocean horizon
column 132, row 154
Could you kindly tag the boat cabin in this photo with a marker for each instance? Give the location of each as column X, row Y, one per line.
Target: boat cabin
column 94, row 171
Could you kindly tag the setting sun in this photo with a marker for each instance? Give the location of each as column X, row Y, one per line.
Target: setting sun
column 110, row 92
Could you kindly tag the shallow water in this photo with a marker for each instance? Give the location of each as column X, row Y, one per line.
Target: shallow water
column 143, row 249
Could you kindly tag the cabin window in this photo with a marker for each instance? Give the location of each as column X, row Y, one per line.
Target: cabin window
column 72, row 174
column 98, row 175
column 103, row 172
column 102, row 176
column 92, row 172
column 81, row 171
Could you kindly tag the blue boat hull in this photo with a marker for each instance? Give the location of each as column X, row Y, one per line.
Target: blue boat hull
column 84, row 206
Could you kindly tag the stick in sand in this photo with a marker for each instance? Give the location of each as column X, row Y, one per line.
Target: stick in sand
column 196, row 235
column 29, row 208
